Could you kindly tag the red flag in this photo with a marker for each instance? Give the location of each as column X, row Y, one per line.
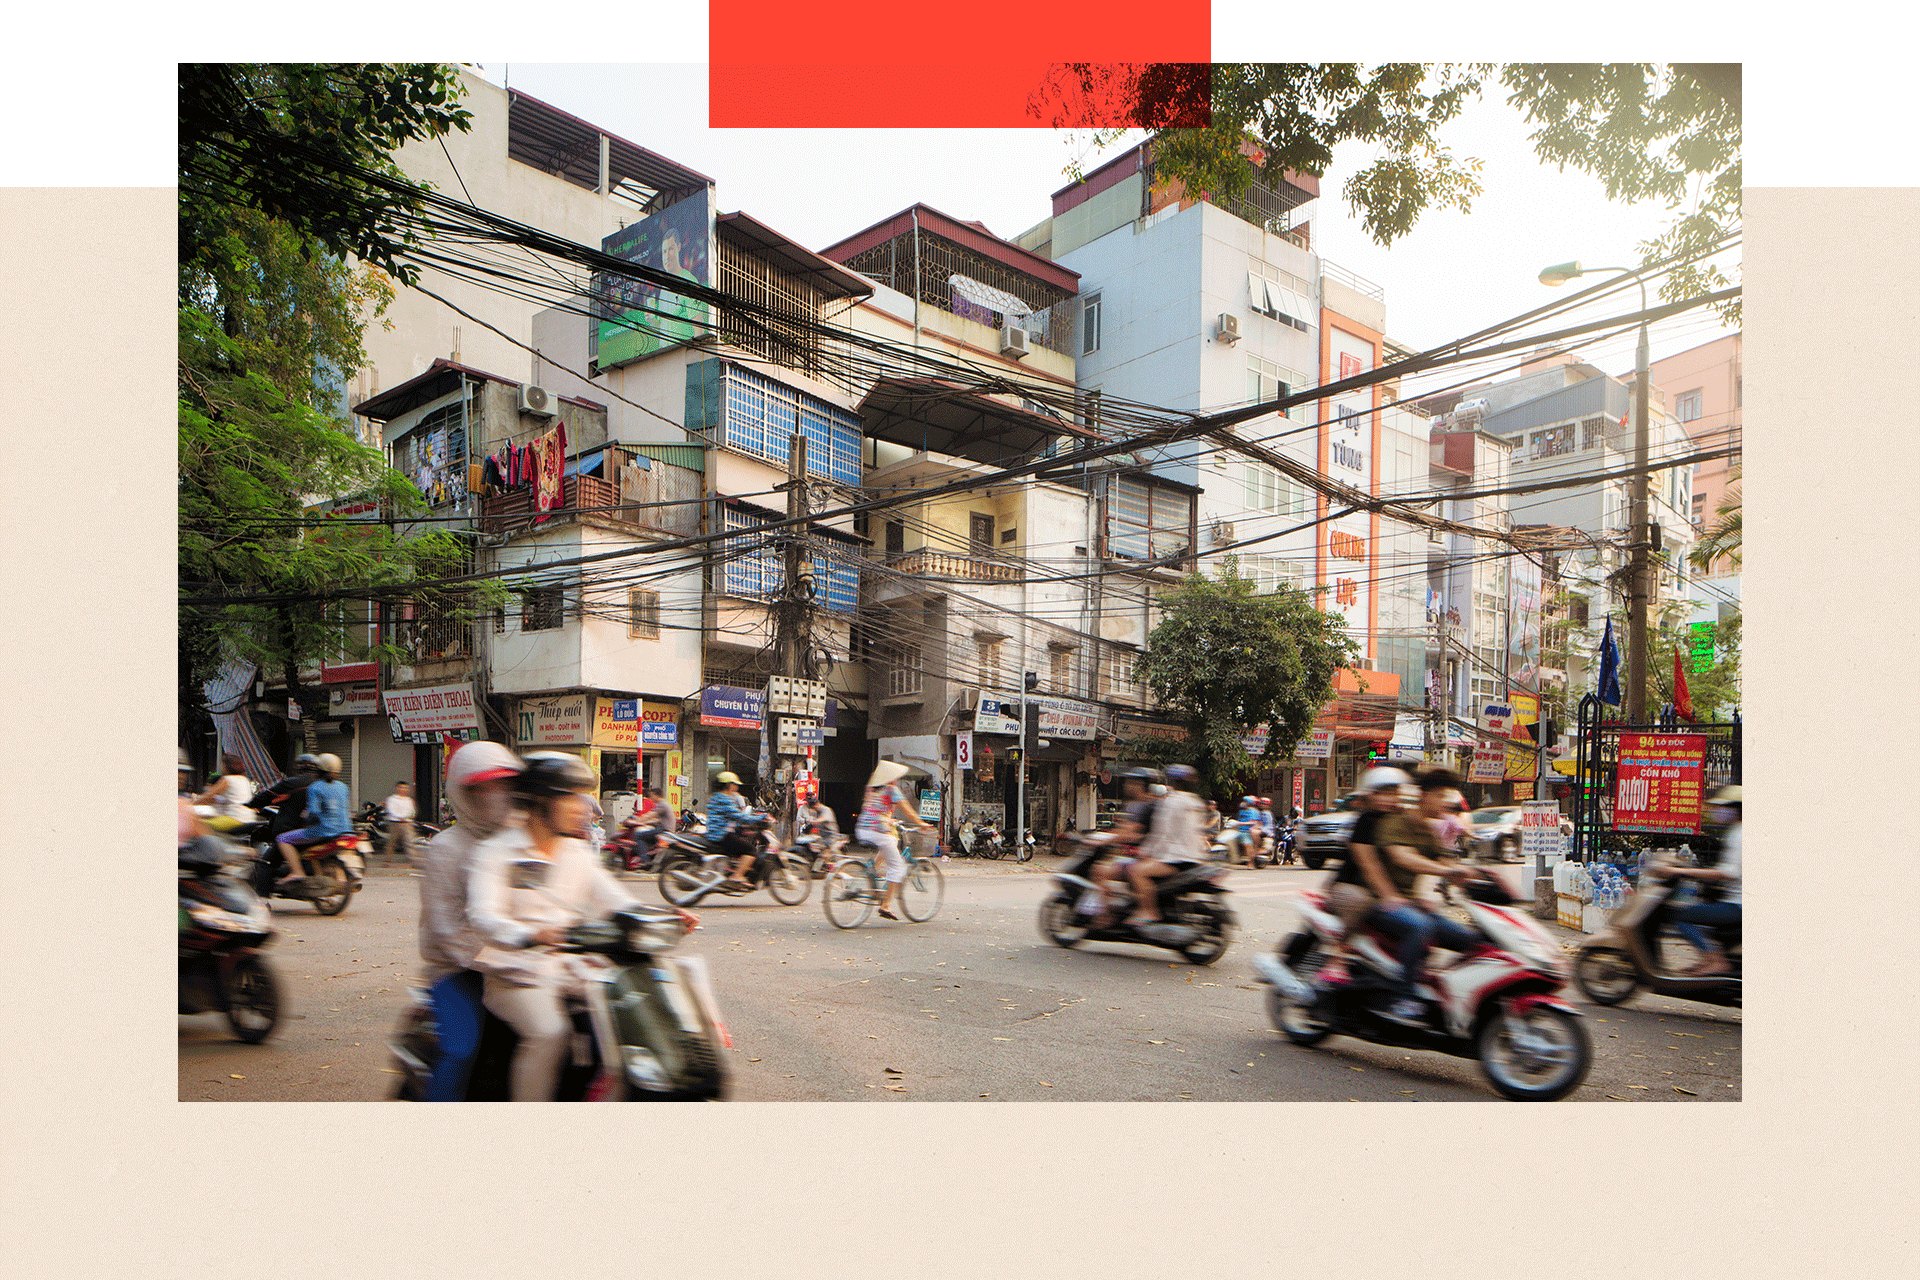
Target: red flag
column 1682, row 699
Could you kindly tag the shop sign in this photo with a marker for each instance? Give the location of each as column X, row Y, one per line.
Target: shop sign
column 551, row 722
column 1126, row 729
column 725, row 707
column 963, row 751
column 930, row 805
column 400, row 734
column 440, row 709
column 1526, row 711
column 1496, row 718
column 1657, row 787
column 997, row 713
column 1489, row 763
column 643, row 724
column 1073, row 720
column 677, row 782
column 1522, row 762
column 1540, row 829
column 353, row 700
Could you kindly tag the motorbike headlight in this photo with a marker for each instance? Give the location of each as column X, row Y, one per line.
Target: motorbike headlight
column 654, row 933
column 212, row 917
column 643, row 1067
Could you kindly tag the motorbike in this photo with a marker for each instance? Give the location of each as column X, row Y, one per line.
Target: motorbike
column 634, row 848
column 647, row 1028
column 371, row 822
column 1195, row 919
column 983, row 841
column 816, row 848
column 1024, row 852
column 692, row 820
column 224, row 928
column 1625, row 955
column 691, row 868
column 336, row 868
column 1286, row 851
column 1499, row 1003
column 1239, row 842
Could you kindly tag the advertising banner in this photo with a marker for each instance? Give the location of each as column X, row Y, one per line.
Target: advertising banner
column 1489, row 763
column 1497, row 718
column 630, row 724
column 1523, row 624
column 1657, row 787
column 1526, row 711
column 559, row 721
column 633, row 318
column 725, row 707
column 1075, row 721
column 353, row 700
column 930, row 805
column 997, row 713
column 441, row 709
column 676, row 780
column 1522, row 762
column 1127, row 729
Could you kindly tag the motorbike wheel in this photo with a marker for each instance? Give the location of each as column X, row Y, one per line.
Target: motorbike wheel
column 1546, row 1065
column 253, row 1000
column 788, row 884
column 338, row 893
column 1023, row 851
column 680, row 879
column 847, row 894
column 922, row 891
column 1216, row 937
column 1057, row 923
column 1605, row 976
column 1297, row 1022
column 989, row 850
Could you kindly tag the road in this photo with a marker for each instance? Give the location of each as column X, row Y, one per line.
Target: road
column 971, row 1006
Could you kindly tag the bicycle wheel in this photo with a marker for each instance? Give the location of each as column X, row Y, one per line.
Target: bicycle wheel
column 848, row 893
column 921, row 892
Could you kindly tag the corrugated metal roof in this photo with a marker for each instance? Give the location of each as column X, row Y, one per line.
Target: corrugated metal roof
column 691, row 456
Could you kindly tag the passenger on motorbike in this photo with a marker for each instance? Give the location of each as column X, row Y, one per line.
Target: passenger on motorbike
column 229, row 794
column 1172, row 845
column 648, row 820
column 875, row 827
column 1266, row 820
column 1722, row 916
column 1362, row 882
column 1411, row 850
column 815, row 813
column 726, row 812
column 526, row 887
column 287, row 797
column 328, row 814
column 1129, row 829
column 477, row 777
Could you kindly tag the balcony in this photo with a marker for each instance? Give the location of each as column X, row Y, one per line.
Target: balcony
column 942, row 564
column 588, row 498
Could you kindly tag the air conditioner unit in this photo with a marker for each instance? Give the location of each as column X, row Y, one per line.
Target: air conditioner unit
column 1228, row 329
column 536, row 400
column 1222, row 532
column 1013, row 341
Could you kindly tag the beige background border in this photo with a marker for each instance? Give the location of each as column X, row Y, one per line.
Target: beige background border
column 107, row 1176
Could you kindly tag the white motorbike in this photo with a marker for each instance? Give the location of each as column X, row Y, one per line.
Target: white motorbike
column 1498, row 1003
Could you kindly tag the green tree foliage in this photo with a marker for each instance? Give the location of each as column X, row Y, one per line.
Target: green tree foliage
column 1226, row 660
column 1648, row 131
column 1721, row 541
column 270, row 324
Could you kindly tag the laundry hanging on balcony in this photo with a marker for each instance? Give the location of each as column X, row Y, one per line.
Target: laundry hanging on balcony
column 550, row 461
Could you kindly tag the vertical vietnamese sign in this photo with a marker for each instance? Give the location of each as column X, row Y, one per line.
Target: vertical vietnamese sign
column 1657, row 787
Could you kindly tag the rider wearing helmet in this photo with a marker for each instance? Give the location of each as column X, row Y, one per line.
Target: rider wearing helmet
column 1411, row 850
column 288, row 797
column 477, row 777
column 1174, row 843
column 1247, row 822
column 328, row 814
column 528, row 886
column 1129, row 829
column 727, row 812
column 1721, row 916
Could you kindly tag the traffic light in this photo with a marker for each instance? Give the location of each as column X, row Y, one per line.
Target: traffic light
column 1549, row 728
column 1033, row 681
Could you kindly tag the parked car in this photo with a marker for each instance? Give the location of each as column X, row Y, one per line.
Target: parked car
column 1326, row 838
column 1496, row 832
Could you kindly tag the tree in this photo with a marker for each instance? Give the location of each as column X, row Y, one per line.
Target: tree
column 1226, row 661
column 270, row 325
column 1668, row 132
column 1722, row 538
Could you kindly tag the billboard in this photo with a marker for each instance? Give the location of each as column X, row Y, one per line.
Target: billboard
column 633, row 318
column 1523, row 624
column 1657, row 786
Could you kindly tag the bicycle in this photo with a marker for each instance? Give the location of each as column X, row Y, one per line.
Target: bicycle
column 852, row 890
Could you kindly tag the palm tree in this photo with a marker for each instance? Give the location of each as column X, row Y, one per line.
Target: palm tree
column 1722, row 537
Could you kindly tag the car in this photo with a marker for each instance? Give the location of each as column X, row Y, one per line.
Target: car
column 1496, row 832
column 1326, row 836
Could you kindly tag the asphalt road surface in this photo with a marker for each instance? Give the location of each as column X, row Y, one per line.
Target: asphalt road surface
column 972, row 1006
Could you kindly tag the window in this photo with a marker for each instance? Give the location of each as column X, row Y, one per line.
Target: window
column 1280, row 295
column 643, row 620
column 1687, row 408
column 1060, row 667
column 1008, row 535
column 1593, row 432
column 753, row 568
column 1269, row 381
column 903, row 671
column 1552, row 442
column 1090, row 324
column 989, row 656
column 1269, row 491
column 762, row 415
column 1577, row 610
column 1119, row 675
column 540, row 609
column 1147, row 521
column 1269, row 573
column 979, row 532
column 1699, row 508
column 896, row 537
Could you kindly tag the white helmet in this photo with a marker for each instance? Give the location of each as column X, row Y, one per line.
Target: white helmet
column 1383, row 777
column 328, row 762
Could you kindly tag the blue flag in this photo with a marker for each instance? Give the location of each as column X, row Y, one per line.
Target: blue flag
column 1609, row 667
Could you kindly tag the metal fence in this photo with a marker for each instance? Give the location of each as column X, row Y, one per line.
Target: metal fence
column 1596, row 772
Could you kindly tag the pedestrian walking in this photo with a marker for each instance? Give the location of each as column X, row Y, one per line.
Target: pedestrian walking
column 400, row 815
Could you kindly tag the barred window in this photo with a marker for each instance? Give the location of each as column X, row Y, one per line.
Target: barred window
column 541, row 608
column 903, row 670
column 753, row 569
column 643, row 615
column 1147, row 522
column 763, row 415
column 1593, row 432
column 1552, row 442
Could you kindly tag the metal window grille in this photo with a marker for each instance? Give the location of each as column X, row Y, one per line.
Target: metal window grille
column 762, row 416
column 836, row 579
column 1052, row 312
column 785, row 337
column 1147, row 522
column 754, row 570
column 541, row 608
column 1593, row 432
column 643, row 615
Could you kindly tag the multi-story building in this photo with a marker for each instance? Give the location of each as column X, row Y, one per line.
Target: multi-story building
column 1702, row 387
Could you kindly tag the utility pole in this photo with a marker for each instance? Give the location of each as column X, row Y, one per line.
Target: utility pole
column 1638, row 539
column 790, row 637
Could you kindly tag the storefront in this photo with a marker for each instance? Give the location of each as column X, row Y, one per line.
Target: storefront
column 429, row 721
column 627, row 742
column 726, row 738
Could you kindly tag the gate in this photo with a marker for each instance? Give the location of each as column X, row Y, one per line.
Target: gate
column 1597, row 765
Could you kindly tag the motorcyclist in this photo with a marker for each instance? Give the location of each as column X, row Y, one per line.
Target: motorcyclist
column 1361, row 882
column 1722, row 916
column 477, row 777
column 643, row 826
column 526, row 886
column 1413, row 926
column 328, row 814
column 1248, row 830
column 1129, row 829
column 815, row 813
column 1173, row 844
column 1266, row 819
column 287, row 798
column 726, row 812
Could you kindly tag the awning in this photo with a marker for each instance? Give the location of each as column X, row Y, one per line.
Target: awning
column 929, row 415
column 829, row 277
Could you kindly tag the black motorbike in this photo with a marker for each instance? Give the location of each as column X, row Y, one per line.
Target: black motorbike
column 817, row 847
column 647, row 1030
column 1195, row 919
column 223, row 928
column 692, row 868
column 336, row 867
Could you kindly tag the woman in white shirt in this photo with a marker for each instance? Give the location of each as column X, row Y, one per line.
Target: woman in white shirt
column 230, row 791
column 527, row 886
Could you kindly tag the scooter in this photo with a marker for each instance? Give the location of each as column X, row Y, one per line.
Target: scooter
column 1625, row 954
column 1239, row 843
column 647, row 1028
column 816, row 849
column 634, row 848
column 1499, row 1003
column 336, row 868
column 1195, row 919
column 224, row 927
column 371, row 822
column 691, row 869
column 1023, row 852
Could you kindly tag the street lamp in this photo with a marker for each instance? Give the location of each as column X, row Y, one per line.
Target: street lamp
column 1638, row 532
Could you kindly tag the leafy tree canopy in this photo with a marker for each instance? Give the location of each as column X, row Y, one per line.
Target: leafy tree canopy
column 1226, row 660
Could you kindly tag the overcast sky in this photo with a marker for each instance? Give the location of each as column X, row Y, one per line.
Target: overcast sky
column 1455, row 273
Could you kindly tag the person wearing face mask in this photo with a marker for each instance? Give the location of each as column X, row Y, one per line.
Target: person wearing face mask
column 527, row 886
column 477, row 778
column 1722, row 880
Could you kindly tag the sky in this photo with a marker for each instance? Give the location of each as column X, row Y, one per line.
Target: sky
column 1453, row 274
